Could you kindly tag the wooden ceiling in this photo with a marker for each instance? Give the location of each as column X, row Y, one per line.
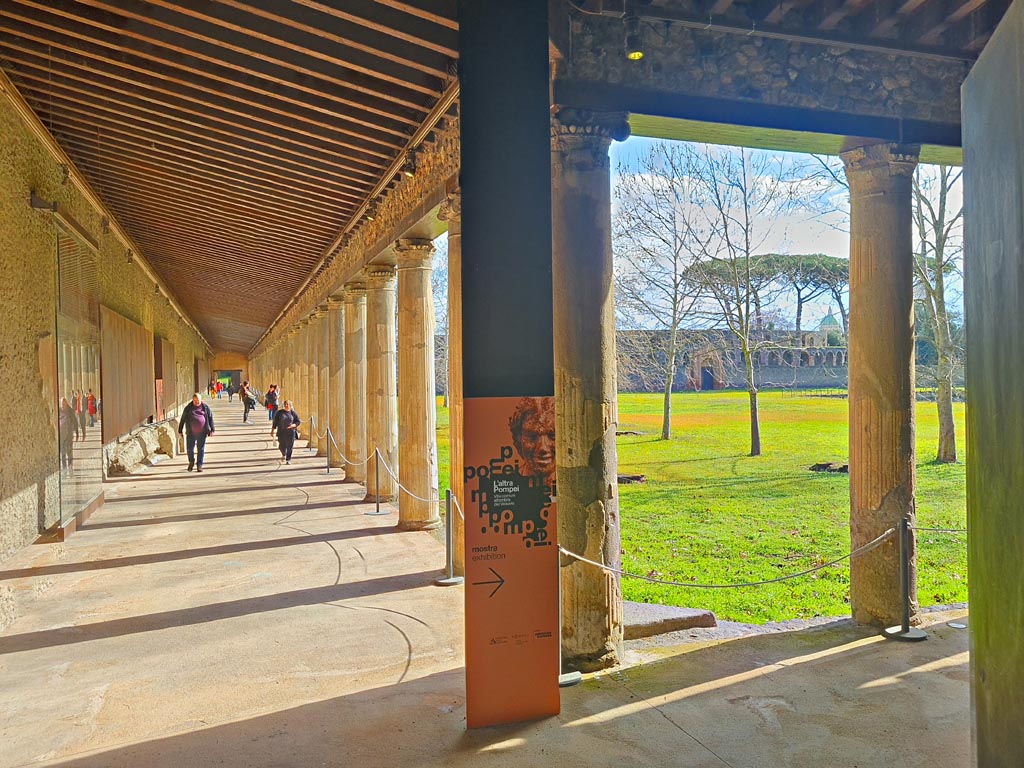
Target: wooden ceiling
column 235, row 140
column 238, row 140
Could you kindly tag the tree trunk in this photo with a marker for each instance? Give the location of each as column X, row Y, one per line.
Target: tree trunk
column 944, row 402
column 670, row 376
column 755, row 420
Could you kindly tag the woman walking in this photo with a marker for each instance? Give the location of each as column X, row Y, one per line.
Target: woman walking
column 271, row 402
column 199, row 419
column 286, row 424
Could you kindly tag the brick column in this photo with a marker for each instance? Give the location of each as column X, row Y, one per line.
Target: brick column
column 451, row 211
column 417, row 410
column 585, row 384
column 881, row 373
column 355, row 381
column 336, row 375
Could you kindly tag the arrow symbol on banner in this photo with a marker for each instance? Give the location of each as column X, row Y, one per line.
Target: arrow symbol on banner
column 500, row 581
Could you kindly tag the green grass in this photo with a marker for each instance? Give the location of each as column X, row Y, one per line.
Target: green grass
column 709, row 513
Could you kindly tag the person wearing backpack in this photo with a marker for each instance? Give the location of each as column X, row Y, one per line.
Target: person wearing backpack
column 248, row 397
column 198, row 419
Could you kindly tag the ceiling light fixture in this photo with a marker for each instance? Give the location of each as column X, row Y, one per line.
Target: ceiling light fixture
column 634, row 40
column 409, row 169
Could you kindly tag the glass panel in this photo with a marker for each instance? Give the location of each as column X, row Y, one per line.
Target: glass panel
column 80, row 407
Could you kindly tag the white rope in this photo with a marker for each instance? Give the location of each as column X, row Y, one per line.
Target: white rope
column 859, row 551
column 400, row 486
column 458, row 507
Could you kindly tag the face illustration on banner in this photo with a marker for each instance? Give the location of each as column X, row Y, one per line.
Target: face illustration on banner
column 533, row 433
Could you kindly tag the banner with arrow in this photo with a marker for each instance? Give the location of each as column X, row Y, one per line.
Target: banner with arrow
column 512, row 618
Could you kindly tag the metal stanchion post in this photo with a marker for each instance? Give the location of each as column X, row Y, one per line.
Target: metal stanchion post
column 905, row 632
column 328, row 450
column 376, row 477
column 449, row 579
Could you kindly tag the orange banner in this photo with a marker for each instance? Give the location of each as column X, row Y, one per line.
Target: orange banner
column 512, row 621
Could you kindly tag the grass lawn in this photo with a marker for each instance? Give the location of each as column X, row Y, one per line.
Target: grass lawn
column 709, row 513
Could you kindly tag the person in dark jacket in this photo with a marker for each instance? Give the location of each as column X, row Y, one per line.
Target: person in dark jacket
column 271, row 402
column 67, row 433
column 286, row 424
column 248, row 398
column 198, row 418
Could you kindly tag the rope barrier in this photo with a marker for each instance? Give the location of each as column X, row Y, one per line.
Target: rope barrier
column 858, row 551
column 402, row 487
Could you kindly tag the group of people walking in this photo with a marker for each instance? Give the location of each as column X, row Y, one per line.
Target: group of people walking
column 196, row 423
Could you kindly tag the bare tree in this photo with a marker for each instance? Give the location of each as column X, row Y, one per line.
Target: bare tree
column 739, row 196
column 439, row 289
column 937, row 268
column 654, row 250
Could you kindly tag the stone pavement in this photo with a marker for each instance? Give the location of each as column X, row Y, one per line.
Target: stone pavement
column 255, row 616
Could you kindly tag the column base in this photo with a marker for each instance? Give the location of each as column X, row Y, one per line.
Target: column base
column 419, row 525
column 370, row 498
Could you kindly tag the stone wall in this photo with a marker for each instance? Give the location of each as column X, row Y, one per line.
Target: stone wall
column 230, row 361
column 687, row 65
column 29, row 484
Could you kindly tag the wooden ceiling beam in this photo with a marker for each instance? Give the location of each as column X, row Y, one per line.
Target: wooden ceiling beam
column 326, row 165
column 441, row 12
column 214, row 27
column 243, row 62
column 139, row 135
column 230, row 101
column 151, row 178
column 384, row 21
column 188, row 161
column 97, row 91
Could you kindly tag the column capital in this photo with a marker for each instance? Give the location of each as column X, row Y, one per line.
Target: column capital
column 581, row 137
column 334, row 303
column 881, row 159
column 414, row 252
column 586, row 123
column 354, row 292
column 380, row 276
column 451, row 208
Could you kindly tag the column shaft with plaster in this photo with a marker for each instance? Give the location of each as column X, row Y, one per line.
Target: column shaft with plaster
column 336, row 375
column 881, row 373
column 417, row 410
column 381, row 394
column 451, row 211
column 585, row 385
column 323, row 378
column 355, row 382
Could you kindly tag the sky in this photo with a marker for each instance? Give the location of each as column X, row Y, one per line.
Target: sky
column 798, row 233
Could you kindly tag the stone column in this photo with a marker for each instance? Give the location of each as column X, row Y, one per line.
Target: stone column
column 881, row 373
column 294, row 345
column 336, row 376
column 381, row 395
column 322, row 378
column 417, row 409
column 355, row 382
column 451, row 211
column 585, row 384
column 312, row 412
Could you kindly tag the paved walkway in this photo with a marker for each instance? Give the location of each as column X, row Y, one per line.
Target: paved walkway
column 255, row 616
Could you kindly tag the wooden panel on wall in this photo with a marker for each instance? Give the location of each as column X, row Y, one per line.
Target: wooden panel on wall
column 163, row 360
column 127, row 374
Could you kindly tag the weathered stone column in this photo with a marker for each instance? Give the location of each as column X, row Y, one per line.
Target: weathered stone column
column 336, row 376
column 585, row 384
column 881, row 373
column 355, row 382
column 305, row 378
column 313, row 409
column 451, row 211
column 323, row 383
column 417, row 410
column 381, row 395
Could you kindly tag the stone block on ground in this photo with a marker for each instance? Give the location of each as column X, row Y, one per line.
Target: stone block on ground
column 167, row 438
column 647, row 619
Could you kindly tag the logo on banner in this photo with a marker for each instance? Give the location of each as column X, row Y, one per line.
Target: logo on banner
column 515, row 490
